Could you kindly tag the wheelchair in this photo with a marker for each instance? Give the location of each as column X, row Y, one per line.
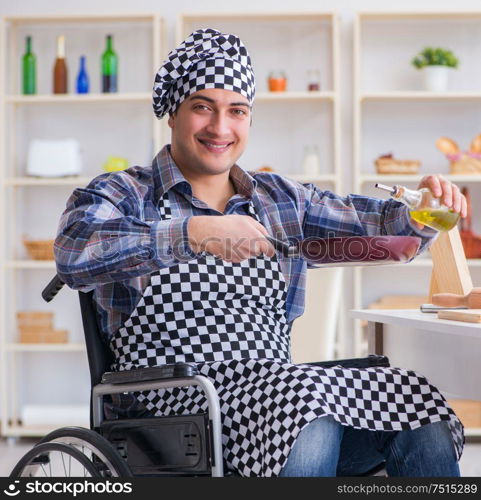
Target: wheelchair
column 177, row 445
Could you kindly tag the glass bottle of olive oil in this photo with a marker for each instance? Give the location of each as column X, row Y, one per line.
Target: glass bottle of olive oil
column 424, row 207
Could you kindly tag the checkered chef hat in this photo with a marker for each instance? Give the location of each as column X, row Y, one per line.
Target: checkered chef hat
column 207, row 59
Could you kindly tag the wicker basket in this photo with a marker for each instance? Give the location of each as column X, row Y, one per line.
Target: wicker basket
column 39, row 249
column 392, row 166
column 465, row 163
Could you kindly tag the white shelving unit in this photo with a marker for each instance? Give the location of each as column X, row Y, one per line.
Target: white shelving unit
column 391, row 111
column 33, row 205
column 285, row 122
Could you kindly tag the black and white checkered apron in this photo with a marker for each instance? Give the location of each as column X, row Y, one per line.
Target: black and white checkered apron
column 230, row 319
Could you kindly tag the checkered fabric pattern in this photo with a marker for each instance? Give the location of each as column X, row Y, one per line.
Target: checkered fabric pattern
column 230, row 319
column 207, row 59
column 208, row 310
column 265, row 404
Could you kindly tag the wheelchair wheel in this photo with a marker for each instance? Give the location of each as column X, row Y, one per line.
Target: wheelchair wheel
column 54, row 460
column 96, row 448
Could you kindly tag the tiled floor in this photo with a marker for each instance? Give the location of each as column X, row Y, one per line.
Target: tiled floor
column 11, row 450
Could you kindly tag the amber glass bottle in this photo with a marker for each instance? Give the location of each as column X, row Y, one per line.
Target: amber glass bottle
column 60, row 68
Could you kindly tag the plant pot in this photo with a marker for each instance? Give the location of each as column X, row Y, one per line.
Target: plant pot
column 436, row 78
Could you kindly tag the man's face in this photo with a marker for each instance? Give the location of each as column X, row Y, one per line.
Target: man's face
column 210, row 131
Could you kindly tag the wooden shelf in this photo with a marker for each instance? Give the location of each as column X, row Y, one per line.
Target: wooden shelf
column 145, row 97
column 420, row 95
column 474, row 262
column 84, row 18
column 30, row 264
column 67, row 347
column 378, row 116
column 472, row 431
column 427, row 15
column 415, row 178
column 296, row 96
column 311, row 178
column 24, row 117
column 258, row 16
column 54, row 181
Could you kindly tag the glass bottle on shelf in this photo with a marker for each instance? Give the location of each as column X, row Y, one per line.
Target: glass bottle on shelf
column 313, row 80
column 82, row 77
column 29, row 69
column 310, row 162
column 60, row 68
column 110, row 63
column 424, row 207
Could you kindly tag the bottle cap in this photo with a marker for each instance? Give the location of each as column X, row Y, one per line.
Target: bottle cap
column 391, row 190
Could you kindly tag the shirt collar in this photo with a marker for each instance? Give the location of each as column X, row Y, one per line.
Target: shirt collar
column 166, row 175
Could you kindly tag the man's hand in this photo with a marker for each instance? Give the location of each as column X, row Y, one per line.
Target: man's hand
column 233, row 238
column 449, row 193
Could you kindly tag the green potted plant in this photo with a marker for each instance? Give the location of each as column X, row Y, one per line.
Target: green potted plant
column 436, row 64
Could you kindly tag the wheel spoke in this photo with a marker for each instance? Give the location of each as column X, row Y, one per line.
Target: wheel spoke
column 83, row 451
column 63, row 462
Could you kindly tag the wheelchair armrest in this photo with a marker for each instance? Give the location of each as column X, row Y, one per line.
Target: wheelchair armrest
column 369, row 361
column 176, row 370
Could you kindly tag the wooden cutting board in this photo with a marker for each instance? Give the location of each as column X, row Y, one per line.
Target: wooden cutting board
column 469, row 315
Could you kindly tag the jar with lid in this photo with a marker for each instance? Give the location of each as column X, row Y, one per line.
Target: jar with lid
column 313, row 80
column 277, row 81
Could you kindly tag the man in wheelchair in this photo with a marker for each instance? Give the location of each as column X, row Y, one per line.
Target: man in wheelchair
column 177, row 258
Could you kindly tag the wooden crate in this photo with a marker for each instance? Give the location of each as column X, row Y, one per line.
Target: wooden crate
column 36, row 319
column 41, row 336
column 468, row 411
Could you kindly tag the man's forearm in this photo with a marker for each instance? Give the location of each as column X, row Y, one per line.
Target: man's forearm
column 115, row 250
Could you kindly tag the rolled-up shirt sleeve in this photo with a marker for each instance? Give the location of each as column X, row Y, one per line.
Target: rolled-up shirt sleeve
column 102, row 237
column 330, row 215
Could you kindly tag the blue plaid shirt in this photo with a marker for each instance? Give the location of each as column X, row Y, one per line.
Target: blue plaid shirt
column 111, row 236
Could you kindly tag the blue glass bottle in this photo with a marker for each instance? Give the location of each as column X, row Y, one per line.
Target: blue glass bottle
column 82, row 78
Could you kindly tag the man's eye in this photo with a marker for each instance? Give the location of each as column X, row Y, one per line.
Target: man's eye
column 240, row 112
column 200, row 107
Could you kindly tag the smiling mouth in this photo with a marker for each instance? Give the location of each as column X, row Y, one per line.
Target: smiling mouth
column 215, row 148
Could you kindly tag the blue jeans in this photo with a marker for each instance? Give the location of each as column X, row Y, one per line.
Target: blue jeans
column 325, row 448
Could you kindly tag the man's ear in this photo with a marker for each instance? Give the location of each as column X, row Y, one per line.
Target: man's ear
column 170, row 121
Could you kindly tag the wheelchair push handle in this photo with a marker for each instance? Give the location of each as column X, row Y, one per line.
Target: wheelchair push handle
column 55, row 285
